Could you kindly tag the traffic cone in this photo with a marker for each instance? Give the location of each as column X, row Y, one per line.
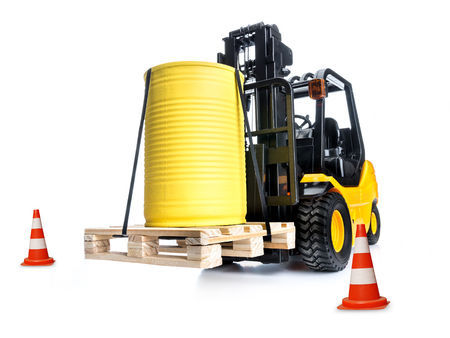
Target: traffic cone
column 38, row 254
column 363, row 294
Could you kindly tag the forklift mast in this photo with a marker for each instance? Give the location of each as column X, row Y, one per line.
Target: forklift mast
column 257, row 51
column 271, row 56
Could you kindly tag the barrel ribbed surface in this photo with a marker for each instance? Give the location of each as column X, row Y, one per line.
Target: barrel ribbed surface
column 194, row 147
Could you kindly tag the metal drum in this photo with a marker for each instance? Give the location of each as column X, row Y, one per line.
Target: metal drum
column 194, row 147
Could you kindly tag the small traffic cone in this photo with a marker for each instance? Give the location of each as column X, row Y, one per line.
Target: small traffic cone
column 363, row 294
column 38, row 254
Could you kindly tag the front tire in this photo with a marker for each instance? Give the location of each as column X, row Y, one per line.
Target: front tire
column 324, row 232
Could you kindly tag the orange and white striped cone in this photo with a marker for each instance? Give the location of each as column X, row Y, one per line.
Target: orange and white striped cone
column 37, row 254
column 363, row 294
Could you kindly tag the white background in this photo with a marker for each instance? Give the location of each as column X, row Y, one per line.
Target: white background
column 71, row 89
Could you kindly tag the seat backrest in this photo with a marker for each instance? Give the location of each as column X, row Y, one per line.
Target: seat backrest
column 331, row 133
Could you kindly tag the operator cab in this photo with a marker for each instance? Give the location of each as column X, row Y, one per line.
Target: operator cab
column 340, row 157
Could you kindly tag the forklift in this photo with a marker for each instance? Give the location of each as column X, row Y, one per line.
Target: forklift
column 310, row 171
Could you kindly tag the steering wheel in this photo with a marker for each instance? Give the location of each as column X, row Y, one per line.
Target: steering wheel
column 305, row 119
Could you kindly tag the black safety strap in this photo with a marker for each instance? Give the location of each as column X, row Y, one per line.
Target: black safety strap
column 262, row 198
column 136, row 155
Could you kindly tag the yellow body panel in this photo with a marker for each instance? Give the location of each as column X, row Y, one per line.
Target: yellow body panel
column 194, row 147
column 359, row 199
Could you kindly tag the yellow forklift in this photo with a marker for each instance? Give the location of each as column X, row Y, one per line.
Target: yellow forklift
column 302, row 169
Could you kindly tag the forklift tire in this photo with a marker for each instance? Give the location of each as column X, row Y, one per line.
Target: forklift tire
column 374, row 230
column 320, row 247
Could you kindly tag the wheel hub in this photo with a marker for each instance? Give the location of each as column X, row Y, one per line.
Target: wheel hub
column 373, row 223
column 337, row 231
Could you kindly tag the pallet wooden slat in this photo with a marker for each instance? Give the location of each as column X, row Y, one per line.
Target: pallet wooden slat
column 157, row 232
column 165, row 260
column 202, row 252
column 92, row 238
column 201, row 247
column 172, row 249
column 96, row 246
column 248, row 232
column 283, row 236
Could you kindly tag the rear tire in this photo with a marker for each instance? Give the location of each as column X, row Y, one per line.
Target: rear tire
column 373, row 235
column 314, row 237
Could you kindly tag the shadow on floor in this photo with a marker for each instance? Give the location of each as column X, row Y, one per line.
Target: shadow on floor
column 254, row 268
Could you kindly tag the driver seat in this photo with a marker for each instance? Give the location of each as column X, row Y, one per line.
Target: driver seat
column 332, row 150
column 332, row 137
column 335, row 161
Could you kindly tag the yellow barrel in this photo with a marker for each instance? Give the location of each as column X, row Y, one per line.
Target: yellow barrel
column 194, row 147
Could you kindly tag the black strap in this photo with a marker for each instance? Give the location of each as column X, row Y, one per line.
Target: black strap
column 262, row 198
column 136, row 155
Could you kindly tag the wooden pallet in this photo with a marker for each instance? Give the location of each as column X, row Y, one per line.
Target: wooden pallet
column 199, row 247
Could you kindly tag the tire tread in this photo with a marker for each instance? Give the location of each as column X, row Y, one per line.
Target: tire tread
column 312, row 243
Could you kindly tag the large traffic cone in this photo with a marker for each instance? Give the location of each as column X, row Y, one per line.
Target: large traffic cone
column 38, row 254
column 363, row 294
